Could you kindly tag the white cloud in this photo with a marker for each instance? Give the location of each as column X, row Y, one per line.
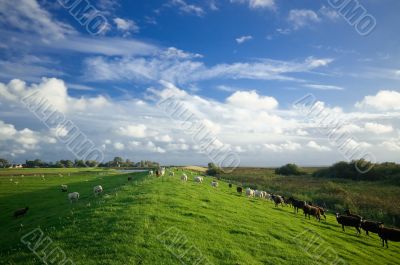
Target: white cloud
column 315, row 146
column 136, row 131
column 287, row 146
column 324, row 87
column 378, row 128
column 7, row 131
column 329, row 13
column 384, row 100
column 29, row 16
column 119, row 146
column 302, row 17
column 244, row 39
column 251, row 100
column 126, row 25
column 187, row 8
column 255, row 4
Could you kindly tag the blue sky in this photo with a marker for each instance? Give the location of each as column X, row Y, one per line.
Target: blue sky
column 250, row 58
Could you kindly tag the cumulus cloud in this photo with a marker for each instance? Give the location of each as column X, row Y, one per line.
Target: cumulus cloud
column 126, row 25
column 186, row 8
column 315, row 146
column 377, row 128
column 384, row 100
column 287, row 146
column 251, row 100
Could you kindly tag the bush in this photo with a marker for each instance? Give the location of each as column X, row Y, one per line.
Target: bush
column 288, row 170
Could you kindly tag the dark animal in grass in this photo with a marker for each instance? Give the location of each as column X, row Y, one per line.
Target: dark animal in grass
column 388, row 234
column 64, row 188
column 129, row 178
column 286, row 201
column 277, row 200
column 348, row 213
column 309, row 211
column 346, row 220
column 20, row 212
column 371, row 226
column 239, row 189
column 230, row 185
column 297, row 204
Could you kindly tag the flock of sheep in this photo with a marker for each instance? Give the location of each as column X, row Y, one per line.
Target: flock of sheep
column 347, row 219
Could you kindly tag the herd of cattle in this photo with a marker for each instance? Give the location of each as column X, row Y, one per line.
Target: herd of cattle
column 347, row 219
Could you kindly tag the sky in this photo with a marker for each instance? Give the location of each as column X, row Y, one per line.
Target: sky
column 237, row 66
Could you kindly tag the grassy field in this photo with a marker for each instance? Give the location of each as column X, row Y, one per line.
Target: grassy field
column 378, row 200
column 164, row 221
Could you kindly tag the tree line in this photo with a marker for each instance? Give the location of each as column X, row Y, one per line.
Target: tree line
column 116, row 162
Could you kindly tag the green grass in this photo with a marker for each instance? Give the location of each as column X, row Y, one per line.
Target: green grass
column 148, row 220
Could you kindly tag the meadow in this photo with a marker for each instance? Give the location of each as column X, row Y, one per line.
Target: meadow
column 166, row 221
column 376, row 200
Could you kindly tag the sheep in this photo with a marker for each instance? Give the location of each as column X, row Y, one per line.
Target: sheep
column 74, row 196
column 348, row 213
column 258, row 194
column 214, row 184
column 391, row 234
column 198, row 179
column 346, row 220
column 151, row 173
column 230, row 185
column 322, row 211
column 277, row 200
column 297, row 204
column 309, row 210
column 21, row 212
column 97, row 190
column 172, row 174
column 184, row 177
column 239, row 189
column 64, row 188
column 371, row 226
column 249, row 192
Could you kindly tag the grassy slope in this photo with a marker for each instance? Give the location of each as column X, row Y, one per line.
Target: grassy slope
column 122, row 226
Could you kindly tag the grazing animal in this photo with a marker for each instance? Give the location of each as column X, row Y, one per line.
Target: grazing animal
column 239, row 189
column 172, row 174
column 184, row 177
column 388, row 234
column 214, row 184
column 250, row 192
column 97, row 190
column 297, row 204
column 258, row 194
column 286, row 201
column 20, row 212
column 198, row 179
column 230, row 185
column 277, row 200
column 371, row 226
column 346, row 220
column 64, row 188
column 129, row 178
column 74, row 196
column 348, row 213
column 312, row 210
column 151, row 173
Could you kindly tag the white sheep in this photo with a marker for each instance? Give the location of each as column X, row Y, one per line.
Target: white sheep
column 97, row 190
column 64, row 188
column 250, row 192
column 184, row 177
column 214, row 184
column 74, row 196
column 258, row 194
column 198, row 179
column 172, row 174
column 151, row 173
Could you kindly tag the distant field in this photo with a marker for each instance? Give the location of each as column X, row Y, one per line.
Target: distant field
column 374, row 200
column 165, row 221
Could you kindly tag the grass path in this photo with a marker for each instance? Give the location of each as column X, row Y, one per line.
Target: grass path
column 154, row 221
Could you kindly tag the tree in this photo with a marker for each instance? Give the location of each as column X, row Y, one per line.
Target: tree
column 213, row 169
column 288, row 170
column 4, row 163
